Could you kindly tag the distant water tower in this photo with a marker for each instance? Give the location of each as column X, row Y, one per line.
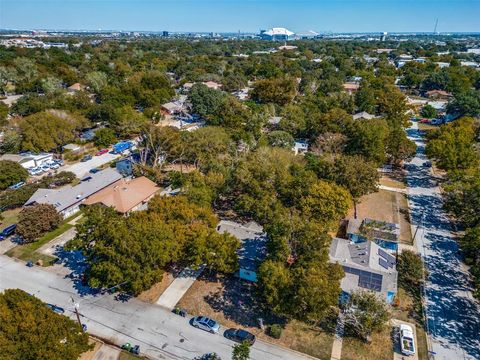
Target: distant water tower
column 384, row 36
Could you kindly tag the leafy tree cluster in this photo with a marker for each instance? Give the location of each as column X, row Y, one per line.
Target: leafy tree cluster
column 29, row 330
column 11, row 173
column 135, row 251
column 36, row 220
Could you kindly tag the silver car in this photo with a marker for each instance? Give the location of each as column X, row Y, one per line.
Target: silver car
column 205, row 323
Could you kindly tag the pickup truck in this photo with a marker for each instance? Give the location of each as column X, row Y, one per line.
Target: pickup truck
column 406, row 340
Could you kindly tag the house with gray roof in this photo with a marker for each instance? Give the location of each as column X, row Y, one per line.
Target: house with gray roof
column 367, row 267
column 253, row 248
column 67, row 200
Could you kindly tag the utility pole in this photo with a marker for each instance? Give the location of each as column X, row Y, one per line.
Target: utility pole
column 76, row 306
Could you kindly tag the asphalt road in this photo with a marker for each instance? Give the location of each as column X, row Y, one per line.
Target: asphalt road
column 453, row 314
column 160, row 333
column 80, row 169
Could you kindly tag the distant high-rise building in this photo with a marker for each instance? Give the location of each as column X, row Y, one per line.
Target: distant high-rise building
column 165, row 34
column 384, row 36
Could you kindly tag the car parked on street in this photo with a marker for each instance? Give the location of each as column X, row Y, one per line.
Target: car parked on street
column 56, row 308
column 239, row 335
column 86, row 158
column 101, row 152
column 93, row 170
column 205, row 323
column 9, row 230
column 17, row 185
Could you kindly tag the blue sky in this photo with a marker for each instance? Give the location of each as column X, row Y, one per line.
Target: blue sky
column 244, row 15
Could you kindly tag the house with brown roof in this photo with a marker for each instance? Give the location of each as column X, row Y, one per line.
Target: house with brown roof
column 438, row 94
column 125, row 195
column 351, row 87
column 75, row 87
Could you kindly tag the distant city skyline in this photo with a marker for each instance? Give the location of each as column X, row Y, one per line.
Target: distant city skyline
column 242, row 15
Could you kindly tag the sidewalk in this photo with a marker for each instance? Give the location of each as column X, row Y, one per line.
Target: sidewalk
column 338, row 340
column 172, row 295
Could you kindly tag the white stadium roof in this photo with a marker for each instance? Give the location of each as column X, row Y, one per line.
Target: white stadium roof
column 279, row 31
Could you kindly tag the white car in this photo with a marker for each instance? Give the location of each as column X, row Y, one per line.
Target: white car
column 407, row 343
column 45, row 168
column 205, row 323
column 35, row 171
column 52, row 165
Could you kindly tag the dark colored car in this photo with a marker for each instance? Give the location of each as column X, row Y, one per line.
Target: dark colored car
column 56, row 308
column 9, row 230
column 239, row 335
column 101, row 152
column 17, row 185
column 94, row 171
column 86, row 158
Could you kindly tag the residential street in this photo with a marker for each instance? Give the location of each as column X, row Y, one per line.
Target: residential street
column 80, row 169
column 453, row 314
column 160, row 333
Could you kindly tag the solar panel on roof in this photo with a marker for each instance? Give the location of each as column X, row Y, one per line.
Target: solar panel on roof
column 389, row 258
column 370, row 281
column 383, row 263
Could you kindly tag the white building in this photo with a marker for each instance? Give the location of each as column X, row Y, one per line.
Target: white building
column 277, row 34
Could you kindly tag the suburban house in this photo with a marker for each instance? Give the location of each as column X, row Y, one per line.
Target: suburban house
column 363, row 116
column 67, row 200
column 351, row 87
column 367, row 267
column 125, row 195
column 438, row 94
column 384, row 234
column 300, row 147
column 172, row 108
column 253, row 248
column 75, row 88
column 74, row 148
column 28, row 160
column 212, row 85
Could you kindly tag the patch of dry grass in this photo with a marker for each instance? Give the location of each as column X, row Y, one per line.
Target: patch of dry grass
column 151, row 295
column 386, row 206
column 381, row 347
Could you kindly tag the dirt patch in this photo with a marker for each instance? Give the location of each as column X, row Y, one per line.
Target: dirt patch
column 90, row 354
column 387, row 206
column 234, row 303
column 151, row 295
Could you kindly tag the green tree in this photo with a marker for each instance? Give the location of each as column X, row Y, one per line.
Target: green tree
column 36, row 220
column 429, row 112
column 48, row 130
column 3, row 114
column 278, row 91
column 241, row 351
column 357, row 175
column 452, row 145
column 367, row 138
column 29, row 330
column 364, row 314
column 410, row 270
column 280, row 139
column 127, row 122
column 11, row 142
column 104, row 137
column 205, row 102
column 11, row 173
column 97, row 80
column 465, row 103
column 398, row 147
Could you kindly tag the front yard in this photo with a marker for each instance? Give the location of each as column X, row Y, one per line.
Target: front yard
column 233, row 303
column 28, row 252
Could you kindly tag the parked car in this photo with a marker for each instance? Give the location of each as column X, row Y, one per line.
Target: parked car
column 17, row 185
column 93, row 170
column 86, row 158
column 101, row 152
column 45, row 167
column 239, row 335
column 59, row 162
column 34, row 171
column 205, row 323
column 9, row 230
column 29, row 263
column 406, row 340
column 56, row 308
column 52, row 164
column 133, row 349
column 424, row 121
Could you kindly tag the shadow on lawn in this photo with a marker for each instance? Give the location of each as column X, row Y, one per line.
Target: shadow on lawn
column 238, row 301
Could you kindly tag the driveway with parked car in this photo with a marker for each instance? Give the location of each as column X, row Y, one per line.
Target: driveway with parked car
column 80, row 169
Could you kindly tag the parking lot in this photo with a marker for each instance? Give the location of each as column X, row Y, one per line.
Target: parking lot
column 81, row 169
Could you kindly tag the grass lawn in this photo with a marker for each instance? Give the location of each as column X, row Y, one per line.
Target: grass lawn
column 427, row 127
column 381, row 347
column 387, row 206
column 125, row 355
column 27, row 252
column 234, row 303
column 10, row 217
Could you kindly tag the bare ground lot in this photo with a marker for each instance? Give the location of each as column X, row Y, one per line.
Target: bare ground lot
column 387, row 206
column 381, row 347
column 233, row 303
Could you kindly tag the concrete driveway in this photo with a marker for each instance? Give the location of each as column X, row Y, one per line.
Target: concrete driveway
column 397, row 354
column 172, row 295
column 453, row 314
column 81, row 169
column 106, row 352
column 160, row 333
